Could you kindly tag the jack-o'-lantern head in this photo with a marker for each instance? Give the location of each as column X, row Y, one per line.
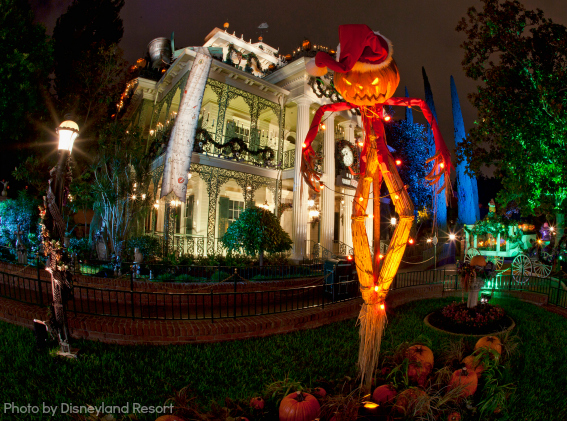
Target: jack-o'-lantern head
column 365, row 73
column 365, row 85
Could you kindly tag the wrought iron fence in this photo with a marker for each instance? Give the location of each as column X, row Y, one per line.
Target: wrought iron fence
column 208, row 304
column 288, row 159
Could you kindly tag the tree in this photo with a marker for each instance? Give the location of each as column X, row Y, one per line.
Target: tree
column 467, row 191
column 121, row 180
column 89, row 68
column 24, row 69
column 520, row 59
column 410, row 142
column 257, row 230
column 440, row 202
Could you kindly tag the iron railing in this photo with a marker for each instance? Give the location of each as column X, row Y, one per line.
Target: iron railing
column 206, row 303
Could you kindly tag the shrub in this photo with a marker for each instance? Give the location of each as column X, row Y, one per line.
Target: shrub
column 81, row 246
column 149, row 246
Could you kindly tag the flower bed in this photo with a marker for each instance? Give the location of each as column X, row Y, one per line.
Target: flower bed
column 479, row 320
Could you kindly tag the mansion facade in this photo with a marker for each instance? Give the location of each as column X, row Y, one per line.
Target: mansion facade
column 255, row 114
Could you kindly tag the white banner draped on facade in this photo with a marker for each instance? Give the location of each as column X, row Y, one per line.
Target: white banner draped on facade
column 180, row 147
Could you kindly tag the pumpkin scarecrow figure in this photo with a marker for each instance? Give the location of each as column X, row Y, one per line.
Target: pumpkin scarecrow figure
column 366, row 76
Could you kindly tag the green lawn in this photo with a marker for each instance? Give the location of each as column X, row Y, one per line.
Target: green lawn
column 117, row 375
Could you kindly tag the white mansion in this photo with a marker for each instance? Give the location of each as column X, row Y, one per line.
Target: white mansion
column 263, row 103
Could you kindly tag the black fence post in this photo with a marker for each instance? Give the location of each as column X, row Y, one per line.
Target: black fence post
column 212, row 308
column 39, row 281
column 132, row 292
column 234, row 295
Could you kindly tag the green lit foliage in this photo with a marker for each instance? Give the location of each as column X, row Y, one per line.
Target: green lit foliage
column 257, row 230
column 519, row 59
column 20, row 212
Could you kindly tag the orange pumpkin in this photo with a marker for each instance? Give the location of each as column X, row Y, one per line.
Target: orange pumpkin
column 478, row 261
column 257, row 403
column 306, row 45
column 368, row 87
column 384, row 394
column 299, row 406
column 465, row 377
column 472, row 363
column 421, row 363
column 490, row 342
column 319, row 391
column 412, row 401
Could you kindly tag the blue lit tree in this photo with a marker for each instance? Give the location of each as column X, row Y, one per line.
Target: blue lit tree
column 467, row 190
column 410, row 142
column 440, row 200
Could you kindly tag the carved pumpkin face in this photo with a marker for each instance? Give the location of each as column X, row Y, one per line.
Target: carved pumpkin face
column 361, row 86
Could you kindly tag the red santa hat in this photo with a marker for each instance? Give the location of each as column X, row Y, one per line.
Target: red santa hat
column 360, row 48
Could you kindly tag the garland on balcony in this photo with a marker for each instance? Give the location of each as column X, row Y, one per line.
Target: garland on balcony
column 235, row 147
column 496, row 225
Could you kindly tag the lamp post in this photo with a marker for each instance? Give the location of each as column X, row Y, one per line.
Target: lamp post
column 53, row 233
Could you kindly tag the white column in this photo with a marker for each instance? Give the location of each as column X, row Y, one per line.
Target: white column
column 347, row 212
column 348, row 127
column 328, row 194
column 299, row 193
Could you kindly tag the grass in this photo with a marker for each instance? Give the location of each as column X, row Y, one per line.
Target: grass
column 117, row 375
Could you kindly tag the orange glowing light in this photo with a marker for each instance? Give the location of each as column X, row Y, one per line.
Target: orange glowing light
column 442, row 165
column 349, row 257
column 410, row 241
column 376, row 288
column 382, row 306
column 387, row 118
column 396, row 197
column 304, row 145
column 380, row 256
column 360, row 198
column 398, row 162
column 361, row 144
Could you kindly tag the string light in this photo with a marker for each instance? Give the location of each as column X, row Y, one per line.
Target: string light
column 410, row 241
column 361, row 144
column 361, row 198
column 442, row 165
column 380, row 256
column 398, row 162
column 396, row 197
column 304, row 145
column 323, row 127
column 387, row 118
column 376, row 288
column 382, row 307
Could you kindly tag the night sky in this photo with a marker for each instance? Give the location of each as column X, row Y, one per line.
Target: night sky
column 422, row 32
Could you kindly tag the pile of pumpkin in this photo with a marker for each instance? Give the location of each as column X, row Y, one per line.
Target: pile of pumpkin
column 406, row 387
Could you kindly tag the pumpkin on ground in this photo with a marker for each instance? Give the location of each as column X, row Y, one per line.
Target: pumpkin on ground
column 454, row 416
column 467, row 378
column 490, row 342
column 299, row 406
column 257, row 403
column 412, row 401
column 384, row 394
column 320, row 392
column 473, row 364
column 421, row 363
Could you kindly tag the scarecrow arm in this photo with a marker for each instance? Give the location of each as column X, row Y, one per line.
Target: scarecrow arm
column 442, row 158
column 309, row 155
